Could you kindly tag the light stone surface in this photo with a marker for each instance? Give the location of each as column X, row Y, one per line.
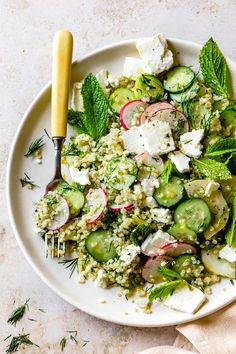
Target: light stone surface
column 27, row 28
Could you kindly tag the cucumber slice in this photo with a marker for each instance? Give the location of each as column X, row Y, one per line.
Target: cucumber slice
column 194, row 213
column 228, row 120
column 188, row 266
column 75, row 200
column 170, row 193
column 139, row 234
column 183, row 233
column 100, row 246
column 188, row 94
column 121, row 172
column 216, row 265
column 179, row 79
column 120, row 97
column 149, row 87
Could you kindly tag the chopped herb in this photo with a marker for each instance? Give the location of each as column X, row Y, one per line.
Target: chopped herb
column 34, row 146
column 63, row 343
column 71, row 150
column 27, row 182
column 85, row 343
column 73, row 335
column 71, row 264
column 32, row 319
column 17, row 341
column 166, row 172
column 7, row 337
column 46, row 132
column 18, row 313
column 41, row 310
column 232, row 282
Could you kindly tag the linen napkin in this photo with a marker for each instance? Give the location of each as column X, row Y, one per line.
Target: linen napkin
column 214, row 334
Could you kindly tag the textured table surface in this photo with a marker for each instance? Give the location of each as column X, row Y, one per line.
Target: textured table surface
column 27, row 28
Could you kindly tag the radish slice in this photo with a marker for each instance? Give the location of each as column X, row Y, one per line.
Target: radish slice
column 127, row 206
column 177, row 120
column 150, row 269
column 62, row 214
column 130, row 113
column 146, row 159
column 151, row 111
column 176, row 248
column 96, row 202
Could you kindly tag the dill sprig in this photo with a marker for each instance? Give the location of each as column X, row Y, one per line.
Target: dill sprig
column 73, row 335
column 27, row 182
column 18, row 313
column 17, row 341
column 63, row 343
column 34, row 146
column 71, row 264
column 71, row 150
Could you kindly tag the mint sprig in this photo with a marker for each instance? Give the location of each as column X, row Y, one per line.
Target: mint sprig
column 213, row 169
column 162, row 291
column 221, row 146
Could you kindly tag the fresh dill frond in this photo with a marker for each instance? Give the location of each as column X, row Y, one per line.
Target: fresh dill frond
column 34, row 146
column 63, row 343
column 18, row 313
column 71, row 150
column 46, row 132
column 26, row 182
column 71, row 264
column 73, row 335
column 17, row 341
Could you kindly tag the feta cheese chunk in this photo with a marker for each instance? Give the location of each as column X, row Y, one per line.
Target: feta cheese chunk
column 190, row 143
column 76, row 98
column 155, row 53
column 228, row 253
column 129, row 253
column 149, row 185
column 157, row 138
column 186, row 299
column 101, row 279
column 150, row 202
column 154, row 242
column 133, row 67
column 133, row 141
column 81, row 177
column 180, row 161
column 161, row 215
column 211, row 187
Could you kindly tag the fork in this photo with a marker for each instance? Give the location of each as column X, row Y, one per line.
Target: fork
column 61, row 73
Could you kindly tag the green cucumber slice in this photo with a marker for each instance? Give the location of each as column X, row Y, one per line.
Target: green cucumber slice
column 188, row 266
column 121, row 172
column 168, row 194
column 75, row 200
column 120, row 97
column 179, row 79
column 149, row 87
column 100, row 246
column 188, row 94
column 228, row 120
column 183, row 233
column 194, row 213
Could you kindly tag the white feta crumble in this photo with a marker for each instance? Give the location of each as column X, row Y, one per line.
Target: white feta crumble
column 150, row 202
column 186, row 299
column 81, row 177
column 133, row 142
column 142, row 305
column 149, row 185
column 155, row 53
column 162, row 215
column 133, row 67
column 155, row 241
column 77, row 99
column 190, row 143
column 101, row 279
column 129, row 253
column 102, row 77
column 211, row 187
column 228, row 253
column 180, row 161
column 112, row 81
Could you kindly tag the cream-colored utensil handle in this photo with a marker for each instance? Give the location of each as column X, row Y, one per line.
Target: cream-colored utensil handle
column 61, row 73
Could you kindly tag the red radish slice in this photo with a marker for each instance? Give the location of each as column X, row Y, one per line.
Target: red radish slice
column 127, row 206
column 146, row 159
column 129, row 110
column 96, row 202
column 151, row 111
column 62, row 214
column 150, row 269
column 176, row 248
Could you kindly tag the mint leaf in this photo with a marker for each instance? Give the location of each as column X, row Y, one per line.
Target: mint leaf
column 221, row 146
column 168, row 273
column 164, row 290
column 230, row 235
column 166, row 172
column 95, row 117
column 75, row 119
column 213, row 169
column 214, row 68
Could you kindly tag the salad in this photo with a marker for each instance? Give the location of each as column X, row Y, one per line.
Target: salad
column 149, row 198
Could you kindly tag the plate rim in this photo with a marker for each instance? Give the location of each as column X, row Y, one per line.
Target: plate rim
column 17, row 235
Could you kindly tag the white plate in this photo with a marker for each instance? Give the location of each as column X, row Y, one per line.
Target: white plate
column 20, row 202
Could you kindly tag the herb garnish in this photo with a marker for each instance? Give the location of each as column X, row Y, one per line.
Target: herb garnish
column 71, row 150
column 221, row 146
column 140, row 233
column 71, row 264
column 168, row 273
column 34, row 146
column 17, row 341
column 166, row 171
column 27, row 182
column 164, row 290
column 214, row 68
column 73, row 335
column 18, row 313
column 46, row 132
column 213, row 169
column 230, row 235
column 63, row 343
